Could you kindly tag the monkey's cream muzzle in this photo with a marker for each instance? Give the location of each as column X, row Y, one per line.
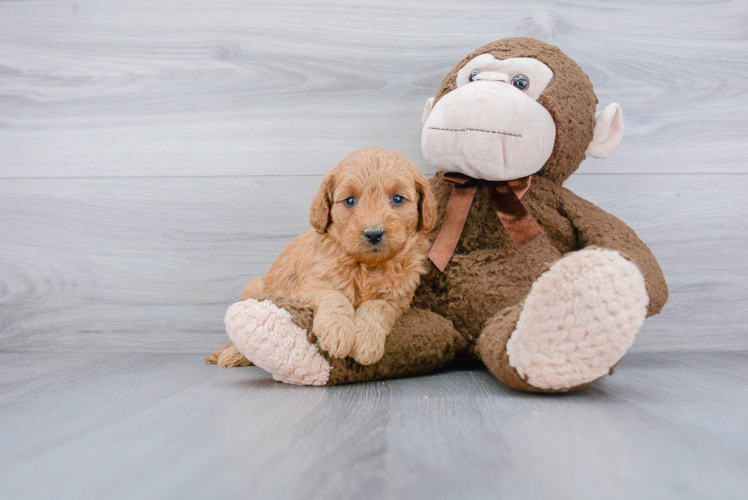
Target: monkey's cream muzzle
column 489, row 130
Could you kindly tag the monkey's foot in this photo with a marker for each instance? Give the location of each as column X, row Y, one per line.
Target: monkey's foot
column 271, row 335
column 578, row 321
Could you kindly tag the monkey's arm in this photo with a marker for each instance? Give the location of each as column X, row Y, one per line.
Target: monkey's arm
column 595, row 227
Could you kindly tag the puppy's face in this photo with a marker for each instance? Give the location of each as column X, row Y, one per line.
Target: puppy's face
column 372, row 203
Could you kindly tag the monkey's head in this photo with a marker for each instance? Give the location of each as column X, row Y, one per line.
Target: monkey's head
column 516, row 107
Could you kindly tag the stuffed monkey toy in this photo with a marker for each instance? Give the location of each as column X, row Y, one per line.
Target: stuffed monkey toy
column 542, row 286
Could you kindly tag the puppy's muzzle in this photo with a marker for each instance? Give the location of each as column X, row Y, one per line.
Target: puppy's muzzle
column 373, row 235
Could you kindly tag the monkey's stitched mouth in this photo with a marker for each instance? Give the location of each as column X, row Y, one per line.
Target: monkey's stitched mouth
column 474, row 130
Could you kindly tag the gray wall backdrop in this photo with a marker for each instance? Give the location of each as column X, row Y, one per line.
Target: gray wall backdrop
column 154, row 156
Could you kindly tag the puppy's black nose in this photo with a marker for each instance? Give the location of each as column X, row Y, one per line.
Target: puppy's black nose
column 374, row 236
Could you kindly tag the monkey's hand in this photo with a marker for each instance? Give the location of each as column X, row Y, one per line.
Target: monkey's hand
column 597, row 228
column 373, row 322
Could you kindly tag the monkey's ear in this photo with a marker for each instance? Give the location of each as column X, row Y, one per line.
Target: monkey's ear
column 426, row 205
column 319, row 213
column 608, row 131
column 427, row 110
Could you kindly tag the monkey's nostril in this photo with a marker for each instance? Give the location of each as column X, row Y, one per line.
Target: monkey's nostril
column 374, row 236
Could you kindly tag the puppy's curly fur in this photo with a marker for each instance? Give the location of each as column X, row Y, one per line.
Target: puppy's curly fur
column 356, row 287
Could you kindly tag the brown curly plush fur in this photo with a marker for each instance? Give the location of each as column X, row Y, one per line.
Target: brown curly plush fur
column 488, row 273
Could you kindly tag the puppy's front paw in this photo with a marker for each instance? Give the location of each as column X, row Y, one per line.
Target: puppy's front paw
column 370, row 339
column 335, row 332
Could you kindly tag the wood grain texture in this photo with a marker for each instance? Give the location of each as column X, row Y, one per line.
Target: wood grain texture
column 166, row 426
column 154, row 156
column 102, row 88
column 152, row 263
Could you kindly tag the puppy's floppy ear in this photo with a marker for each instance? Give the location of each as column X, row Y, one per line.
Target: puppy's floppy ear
column 319, row 213
column 426, row 204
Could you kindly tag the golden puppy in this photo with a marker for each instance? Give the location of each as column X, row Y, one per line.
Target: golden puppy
column 360, row 266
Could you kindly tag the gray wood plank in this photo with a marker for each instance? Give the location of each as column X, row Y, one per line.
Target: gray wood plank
column 105, row 88
column 607, row 441
column 150, row 264
column 167, row 426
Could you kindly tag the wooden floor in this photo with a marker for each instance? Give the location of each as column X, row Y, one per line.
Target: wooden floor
column 166, row 426
column 156, row 156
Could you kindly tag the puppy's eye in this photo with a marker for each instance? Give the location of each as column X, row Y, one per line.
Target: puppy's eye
column 521, row 82
column 398, row 200
column 473, row 74
column 350, row 202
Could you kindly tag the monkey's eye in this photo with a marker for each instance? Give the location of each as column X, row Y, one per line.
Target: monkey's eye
column 398, row 200
column 350, row 202
column 473, row 74
column 521, row 82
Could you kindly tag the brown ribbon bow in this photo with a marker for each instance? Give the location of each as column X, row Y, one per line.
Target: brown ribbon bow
column 505, row 196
